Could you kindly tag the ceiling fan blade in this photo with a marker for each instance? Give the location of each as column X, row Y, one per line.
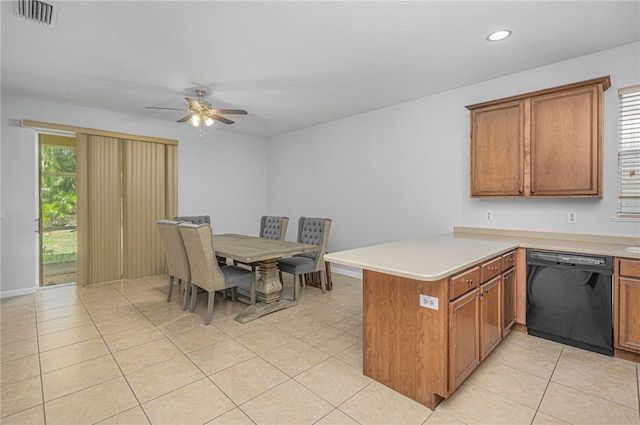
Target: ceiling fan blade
column 194, row 104
column 219, row 118
column 229, row 111
column 185, row 118
column 168, row 109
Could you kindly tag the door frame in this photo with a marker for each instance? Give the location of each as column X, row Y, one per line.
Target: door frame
column 38, row 204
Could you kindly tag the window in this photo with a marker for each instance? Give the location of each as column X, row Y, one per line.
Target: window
column 629, row 153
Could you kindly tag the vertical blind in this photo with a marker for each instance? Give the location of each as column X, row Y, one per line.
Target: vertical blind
column 143, row 204
column 629, row 152
column 99, row 197
column 124, row 187
column 124, row 184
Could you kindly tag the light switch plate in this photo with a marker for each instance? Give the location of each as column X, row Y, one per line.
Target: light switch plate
column 428, row 302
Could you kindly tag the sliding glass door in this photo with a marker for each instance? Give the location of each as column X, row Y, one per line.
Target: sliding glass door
column 57, row 219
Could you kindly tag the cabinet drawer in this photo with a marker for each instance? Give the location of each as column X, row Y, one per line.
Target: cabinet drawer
column 490, row 269
column 464, row 282
column 508, row 260
column 630, row 268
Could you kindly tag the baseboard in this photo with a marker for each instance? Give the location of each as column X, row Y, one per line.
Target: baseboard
column 17, row 292
column 357, row 273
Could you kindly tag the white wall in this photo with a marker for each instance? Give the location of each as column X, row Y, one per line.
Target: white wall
column 403, row 171
column 221, row 174
column 394, row 173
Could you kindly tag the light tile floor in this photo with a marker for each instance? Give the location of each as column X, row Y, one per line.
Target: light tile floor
column 120, row 354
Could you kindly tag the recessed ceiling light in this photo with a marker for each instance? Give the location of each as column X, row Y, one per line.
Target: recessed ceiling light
column 499, row 35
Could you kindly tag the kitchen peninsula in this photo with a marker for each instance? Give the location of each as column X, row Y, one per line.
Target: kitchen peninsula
column 434, row 308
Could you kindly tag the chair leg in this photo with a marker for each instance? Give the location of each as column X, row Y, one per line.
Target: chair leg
column 234, row 293
column 212, row 297
column 194, row 294
column 170, row 288
column 296, row 289
column 323, row 281
column 185, row 296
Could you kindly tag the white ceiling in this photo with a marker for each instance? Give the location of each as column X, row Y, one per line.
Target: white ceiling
column 291, row 64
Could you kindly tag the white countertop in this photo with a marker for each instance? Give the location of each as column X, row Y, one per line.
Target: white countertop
column 422, row 259
column 440, row 256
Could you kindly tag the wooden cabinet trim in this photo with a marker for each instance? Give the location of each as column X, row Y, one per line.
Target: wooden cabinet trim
column 509, row 300
column 508, row 260
column 629, row 314
column 490, row 315
column 544, row 150
column 490, row 269
column 517, row 154
column 605, row 81
column 464, row 351
column 464, row 282
column 626, row 335
column 629, row 268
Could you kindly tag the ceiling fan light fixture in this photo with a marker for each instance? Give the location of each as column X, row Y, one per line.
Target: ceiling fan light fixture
column 208, row 121
column 195, row 120
column 498, row 35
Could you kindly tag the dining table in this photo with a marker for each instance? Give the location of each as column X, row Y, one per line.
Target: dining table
column 266, row 252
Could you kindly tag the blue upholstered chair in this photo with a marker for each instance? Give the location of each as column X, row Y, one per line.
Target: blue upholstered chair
column 271, row 227
column 177, row 261
column 313, row 231
column 205, row 271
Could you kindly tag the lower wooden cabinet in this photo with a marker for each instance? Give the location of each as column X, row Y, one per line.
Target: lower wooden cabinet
column 627, row 289
column 464, row 345
column 490, row 316
column 424, row 338
column 508, row 301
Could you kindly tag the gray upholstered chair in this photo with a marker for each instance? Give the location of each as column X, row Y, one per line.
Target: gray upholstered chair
column 177, row 261
column 205, row 271
column 311, row 231
column 271, row 227
column 195, row 219
column 200, row 219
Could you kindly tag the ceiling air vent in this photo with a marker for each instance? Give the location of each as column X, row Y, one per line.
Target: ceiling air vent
column 39, row 11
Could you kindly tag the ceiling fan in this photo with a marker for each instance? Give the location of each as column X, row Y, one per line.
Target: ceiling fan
column 202, row 114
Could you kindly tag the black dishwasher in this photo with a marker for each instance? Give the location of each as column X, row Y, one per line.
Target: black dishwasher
column 570, row 299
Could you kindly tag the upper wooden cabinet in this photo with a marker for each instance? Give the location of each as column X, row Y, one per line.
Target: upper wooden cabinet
column 544, row 144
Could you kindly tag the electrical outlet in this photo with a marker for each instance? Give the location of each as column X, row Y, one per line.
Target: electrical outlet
column 488, row 215
column 572, row 217
column 428, row 302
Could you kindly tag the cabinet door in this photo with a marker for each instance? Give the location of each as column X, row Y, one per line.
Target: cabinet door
column 490, row 316
column 464, row 350
column 566, row 152
column 629, row 314
column 497, row 140
column 508, row 301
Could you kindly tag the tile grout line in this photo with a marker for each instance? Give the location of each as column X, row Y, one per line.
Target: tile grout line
column 44, row 410
column 115, row 361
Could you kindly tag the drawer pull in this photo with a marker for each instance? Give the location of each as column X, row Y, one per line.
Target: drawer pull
column 494, row 268
column 469, row 281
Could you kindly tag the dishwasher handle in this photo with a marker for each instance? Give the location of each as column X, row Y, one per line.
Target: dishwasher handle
column 569, row 259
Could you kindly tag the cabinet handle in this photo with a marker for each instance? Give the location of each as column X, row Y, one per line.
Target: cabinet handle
column 520, row 191
column 533, row 191
column 494, row 268
column 469, row 281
